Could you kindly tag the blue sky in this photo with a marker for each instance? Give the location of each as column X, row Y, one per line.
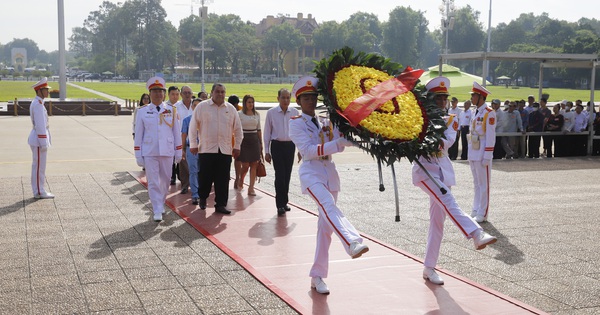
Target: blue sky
column 39, row 20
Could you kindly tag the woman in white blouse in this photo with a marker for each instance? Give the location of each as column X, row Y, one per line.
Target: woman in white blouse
column 251, row 149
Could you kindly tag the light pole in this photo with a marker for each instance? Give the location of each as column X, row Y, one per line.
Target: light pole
column 62, row 76
column 486, row 65
column 447, row 11
column 203, row 12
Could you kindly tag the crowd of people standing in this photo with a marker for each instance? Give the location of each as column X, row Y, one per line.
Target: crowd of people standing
column 567, row 121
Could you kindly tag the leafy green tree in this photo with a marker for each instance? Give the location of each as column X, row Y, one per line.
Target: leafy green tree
column 283, row 39
column 404, row 36
column 329, row 36
column 29, row 45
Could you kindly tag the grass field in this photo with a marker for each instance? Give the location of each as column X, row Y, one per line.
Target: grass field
column 261, row 92
column 9, row 90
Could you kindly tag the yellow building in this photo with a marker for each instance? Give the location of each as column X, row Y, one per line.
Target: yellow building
column 299, row 61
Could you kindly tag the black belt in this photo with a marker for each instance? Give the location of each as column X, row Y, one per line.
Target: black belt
column 281, row 141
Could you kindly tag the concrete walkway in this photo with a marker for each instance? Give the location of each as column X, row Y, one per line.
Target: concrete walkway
column 108, row 96
column 92, row 248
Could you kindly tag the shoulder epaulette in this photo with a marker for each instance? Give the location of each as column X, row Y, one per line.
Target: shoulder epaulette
column 296, row 117
column 488, row 109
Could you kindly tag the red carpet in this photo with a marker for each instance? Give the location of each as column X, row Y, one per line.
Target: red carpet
column 279, row 251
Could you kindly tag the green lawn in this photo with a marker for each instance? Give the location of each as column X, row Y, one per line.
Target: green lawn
column 9, row 90
column 261, row 92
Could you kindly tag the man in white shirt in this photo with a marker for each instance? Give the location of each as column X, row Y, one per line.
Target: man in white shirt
column 456, row 111
column 214, row 124
column 464, row 120
column 279, row 148
column 580, row 122
column 184, row 109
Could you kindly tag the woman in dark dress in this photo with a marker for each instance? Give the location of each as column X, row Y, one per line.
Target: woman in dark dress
column 251, row 149
column 553, row 123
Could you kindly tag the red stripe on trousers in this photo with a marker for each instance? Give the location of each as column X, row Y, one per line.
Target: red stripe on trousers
column 487, row 184
column 38, row 171
column 328, row 219
column 445, row 209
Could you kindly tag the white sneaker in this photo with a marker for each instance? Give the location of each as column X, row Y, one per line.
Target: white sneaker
column 157, row 217
column 319, row 285
column 432, row 276
column 482, row 239
column 357, row 249
column 480, row 218
column 45, row 195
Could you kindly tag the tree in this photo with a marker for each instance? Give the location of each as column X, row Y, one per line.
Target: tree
column 329, row 36
column 404, row 36
column 283, row 39
column 28, row 44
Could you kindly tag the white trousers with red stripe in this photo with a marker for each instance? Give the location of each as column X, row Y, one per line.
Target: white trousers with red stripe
column 481, row 181
column 38, row 170
column 331, row 220
column 158, row 174
column 439, row 206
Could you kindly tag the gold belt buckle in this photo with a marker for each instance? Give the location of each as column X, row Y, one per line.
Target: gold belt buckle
column 324, row 158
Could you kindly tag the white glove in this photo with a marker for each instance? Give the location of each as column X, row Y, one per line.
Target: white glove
column 485, row 162
column 43, row 148
column 139, row 161
column 343, row 142
column 177, row 158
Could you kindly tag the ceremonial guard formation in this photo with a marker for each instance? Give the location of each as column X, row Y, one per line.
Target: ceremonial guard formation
column 157, row 144
column 39, row 140
column 481, row 149
column 440, row 168
column 316, row 141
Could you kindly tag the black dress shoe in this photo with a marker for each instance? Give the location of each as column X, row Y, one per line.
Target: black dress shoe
column 280, row 211
column 202, row 203
column 287, row 208
column 194, row 201
column 184, row 191
column 222, row 210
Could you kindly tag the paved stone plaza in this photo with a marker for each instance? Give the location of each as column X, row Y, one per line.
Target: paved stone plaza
column 93, row 248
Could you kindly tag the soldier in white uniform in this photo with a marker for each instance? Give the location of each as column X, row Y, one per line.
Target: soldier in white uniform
column 440, row 168
column 39, row 140
column 157, row 144
column 481, row 150
column 316, row 141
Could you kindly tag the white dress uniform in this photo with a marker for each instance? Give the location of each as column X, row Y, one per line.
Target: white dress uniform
column 320, row 180
column 157, row 144
column 39, row 141
column 481, row 150
column 440, row 205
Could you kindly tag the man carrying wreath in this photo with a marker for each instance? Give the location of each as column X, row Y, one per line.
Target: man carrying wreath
column 316, row 141
column 441, row 204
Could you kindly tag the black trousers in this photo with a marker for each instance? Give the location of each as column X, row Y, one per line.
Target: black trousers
column 533, row 146
column 214, row 168
column 453, row 150
column 282, row 154
column 464, row 132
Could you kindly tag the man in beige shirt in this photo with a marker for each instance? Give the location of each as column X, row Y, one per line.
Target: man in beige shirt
column 214, row 124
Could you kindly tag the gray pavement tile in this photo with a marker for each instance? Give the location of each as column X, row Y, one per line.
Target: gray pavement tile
column 14, row 260
column 155, row 284
column 182, row 308
column 147, row 272
column 147, row 261
column 11, row 309
column 577, row 298
column 581, row 311
column 545, row 303
column 201, row 279
column 164, row 296
column 57, row 295
column 544, row 285
column 15, row 297
column 52, row 270
column 112, row 275
column 15, row 273
column 191, row 268
column 237, row 276
column 15, row 284
column 70, row 307
column 110, row 295
column 225, row 305
column 66, row 280
column 277, row 311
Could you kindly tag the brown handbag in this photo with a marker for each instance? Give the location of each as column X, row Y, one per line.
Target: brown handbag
column 261, row 170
